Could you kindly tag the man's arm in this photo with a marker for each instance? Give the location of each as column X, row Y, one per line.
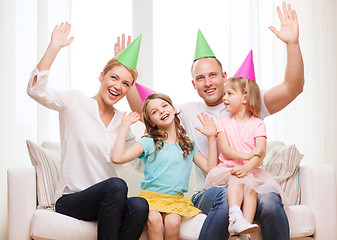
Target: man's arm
column 132, row 96
column 281, row 95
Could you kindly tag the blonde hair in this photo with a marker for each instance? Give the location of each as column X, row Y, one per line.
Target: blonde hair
column 158, row 135
column 113, row 62
column 250, row 89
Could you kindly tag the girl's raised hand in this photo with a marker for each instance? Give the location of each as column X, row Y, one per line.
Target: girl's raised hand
column 209, row 128
column 131, row 118
column 59, row 36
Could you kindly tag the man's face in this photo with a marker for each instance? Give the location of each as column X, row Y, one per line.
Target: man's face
column 209, row 80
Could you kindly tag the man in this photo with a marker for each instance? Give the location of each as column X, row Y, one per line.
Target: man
column 208, row 80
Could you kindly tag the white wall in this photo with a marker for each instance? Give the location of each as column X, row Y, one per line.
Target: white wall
column 18, row 114
column 22, row 30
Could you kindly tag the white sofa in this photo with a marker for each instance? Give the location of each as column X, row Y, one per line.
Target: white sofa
column 314, row 218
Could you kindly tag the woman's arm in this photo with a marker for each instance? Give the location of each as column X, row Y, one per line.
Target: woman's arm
column 119, row 153
column 59, row 39
column 209, row 130
column 242, row 170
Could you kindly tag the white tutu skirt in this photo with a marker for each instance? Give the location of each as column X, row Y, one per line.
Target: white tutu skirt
column 258, row 180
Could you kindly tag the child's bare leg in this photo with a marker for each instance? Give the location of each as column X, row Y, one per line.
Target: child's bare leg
column 237, row 222
column 172, row 224
column 235, row 195
column 249, row 206
column 155, row 226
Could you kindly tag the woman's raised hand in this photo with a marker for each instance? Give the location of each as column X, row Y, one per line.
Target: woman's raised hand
column 59, row 36
column 59, row 39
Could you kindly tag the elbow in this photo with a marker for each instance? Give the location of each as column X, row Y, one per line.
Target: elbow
column 299, row 88
column 115, row 160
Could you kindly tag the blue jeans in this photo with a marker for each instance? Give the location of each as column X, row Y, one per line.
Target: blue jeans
column 269, row 213
column 117, row 216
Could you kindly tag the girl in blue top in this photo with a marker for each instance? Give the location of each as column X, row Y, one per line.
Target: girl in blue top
column 167, row 153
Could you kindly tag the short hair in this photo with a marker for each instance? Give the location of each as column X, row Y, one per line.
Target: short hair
column 217, row 60
column 113, row 62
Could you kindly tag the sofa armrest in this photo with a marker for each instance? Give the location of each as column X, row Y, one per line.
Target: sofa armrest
column 21, row 185
column 318, row 192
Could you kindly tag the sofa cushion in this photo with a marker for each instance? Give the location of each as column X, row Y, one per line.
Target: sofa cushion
column 46, row 163
column 191, row 227
column 47, row 224
column 282, row 162
column 301, row 221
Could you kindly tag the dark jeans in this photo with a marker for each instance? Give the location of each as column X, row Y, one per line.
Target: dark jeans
column 269, row 213
column 117, row 216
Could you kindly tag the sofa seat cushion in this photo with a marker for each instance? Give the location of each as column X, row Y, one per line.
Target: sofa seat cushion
column 301, row 221
column 47, row 224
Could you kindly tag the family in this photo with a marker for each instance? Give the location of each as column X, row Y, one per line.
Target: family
column 223, row 134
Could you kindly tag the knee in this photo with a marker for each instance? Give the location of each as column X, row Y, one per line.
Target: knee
column 172, row 224
column 139, row 208
column 215, row 197
column 270, row 204
column 115, row 187
column 155, row 220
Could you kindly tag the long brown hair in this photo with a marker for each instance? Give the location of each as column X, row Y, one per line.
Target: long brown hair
column 158, row 135
column 251, row 90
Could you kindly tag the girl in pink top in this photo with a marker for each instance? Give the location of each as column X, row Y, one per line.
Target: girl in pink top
column 242, row 141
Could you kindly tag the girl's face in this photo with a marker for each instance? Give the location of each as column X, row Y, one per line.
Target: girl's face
column 233, row 99
column 161, row 113
column 115, row 84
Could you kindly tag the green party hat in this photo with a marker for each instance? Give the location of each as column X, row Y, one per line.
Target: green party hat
column 202, row 48
column 129, row 56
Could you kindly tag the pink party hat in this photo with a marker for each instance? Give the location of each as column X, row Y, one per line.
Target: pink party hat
column 246, row 69
column 143, row 91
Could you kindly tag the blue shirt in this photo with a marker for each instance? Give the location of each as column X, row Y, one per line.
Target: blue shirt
column 169, row 172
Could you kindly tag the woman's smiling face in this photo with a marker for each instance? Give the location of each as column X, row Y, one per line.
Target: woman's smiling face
column 115, row 84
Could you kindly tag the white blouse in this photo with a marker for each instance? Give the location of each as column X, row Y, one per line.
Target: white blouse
column 86, row 143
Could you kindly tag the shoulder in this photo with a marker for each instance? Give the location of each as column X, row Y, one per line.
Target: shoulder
column 257, row 121
column 118, row 114
column 77, row 95
column 225, row 121
column 146, row 141
column 195, row 148
column 190, row 106
column 258, row 126
column 264, row 110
